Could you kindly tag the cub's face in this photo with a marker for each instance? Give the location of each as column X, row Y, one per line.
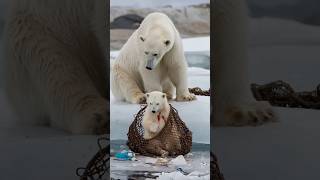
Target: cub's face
column 156, row 101
column 154, row 46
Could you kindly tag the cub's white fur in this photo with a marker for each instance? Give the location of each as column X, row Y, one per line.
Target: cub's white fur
column 55, row 63
column 156, row 114
column 151, row 60
column 233, row 101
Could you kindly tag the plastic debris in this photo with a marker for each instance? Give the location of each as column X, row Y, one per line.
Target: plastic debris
column 125, row 155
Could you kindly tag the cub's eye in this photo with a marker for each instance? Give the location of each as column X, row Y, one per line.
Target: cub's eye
column 142, row 39
column 146, row 52
column 167, row 42
column 157, row 103
column 150, row 103
column 155, row 55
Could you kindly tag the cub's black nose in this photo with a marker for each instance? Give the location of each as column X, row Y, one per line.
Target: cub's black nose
column 153, row 111
column 149, row 68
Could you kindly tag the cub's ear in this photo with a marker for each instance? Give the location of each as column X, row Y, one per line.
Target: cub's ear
column 164, row 95
column 167, row 42
column 141, row 38
column 147, row 95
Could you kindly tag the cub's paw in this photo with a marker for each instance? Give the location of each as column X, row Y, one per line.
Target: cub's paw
column 164, row 153
column 139, row 98
column 147, row 135
column 186, row 97
column 253, row 114
column 154, row 127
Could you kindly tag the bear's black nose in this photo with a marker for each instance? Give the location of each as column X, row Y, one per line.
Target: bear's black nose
column 149, row 68
column 153, row 111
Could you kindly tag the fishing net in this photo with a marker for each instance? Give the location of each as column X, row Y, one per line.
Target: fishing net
column 175, row 138
column 279, row 93
column 215, row 171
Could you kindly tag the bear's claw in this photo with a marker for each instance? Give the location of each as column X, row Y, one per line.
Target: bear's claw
column 254, row 114
column 186, row 97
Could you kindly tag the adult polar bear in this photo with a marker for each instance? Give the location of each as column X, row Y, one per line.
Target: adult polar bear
column 151, row 60
column 233, row 101
column 56, row 71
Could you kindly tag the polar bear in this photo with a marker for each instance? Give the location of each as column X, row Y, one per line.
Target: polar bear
column 56, row 72
column 156, row 114
column 233, row 101
column 151, row 60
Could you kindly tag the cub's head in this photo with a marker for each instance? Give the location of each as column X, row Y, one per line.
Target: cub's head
column 156, row 101
column 155, row 43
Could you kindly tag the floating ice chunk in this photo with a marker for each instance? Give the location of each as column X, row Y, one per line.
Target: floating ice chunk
column 178, row 161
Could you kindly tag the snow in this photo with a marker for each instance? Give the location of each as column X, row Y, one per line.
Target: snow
column 287, row 149
column 196, row 163
column 202, row 44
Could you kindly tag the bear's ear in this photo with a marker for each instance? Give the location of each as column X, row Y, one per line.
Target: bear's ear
column 163, row 95
column 141, row 38
column 167, row 42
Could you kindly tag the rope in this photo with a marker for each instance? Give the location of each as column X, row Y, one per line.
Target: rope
column 199, row 92
column 281, row 94
column 98, row 165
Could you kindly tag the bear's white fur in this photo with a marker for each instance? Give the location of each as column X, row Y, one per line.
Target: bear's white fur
column 155, row 115
column 233, row 101
column 151, row 60
column 55, row 63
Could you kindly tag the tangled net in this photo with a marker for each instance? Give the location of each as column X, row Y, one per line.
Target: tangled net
column 98, row 166
column 215, row 171
column 279, row 93
column 198, row 91
column 175, row 137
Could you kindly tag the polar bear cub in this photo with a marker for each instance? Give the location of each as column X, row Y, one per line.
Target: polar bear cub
column 151, row 60
column 156, row 114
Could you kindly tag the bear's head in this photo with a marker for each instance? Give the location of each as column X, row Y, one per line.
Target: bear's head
column 155, row 43
column 156, row 101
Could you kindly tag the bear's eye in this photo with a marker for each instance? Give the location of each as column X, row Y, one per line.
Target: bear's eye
column 167, row 42
column 155, row 55
column 146, row 52
column 142, row 39
column 157, row 103
column 150, row 103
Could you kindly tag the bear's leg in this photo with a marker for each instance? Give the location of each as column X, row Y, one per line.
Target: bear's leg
column 168, row 88
column 178, row 75
column 127, row 86
column 233, row 101
column 68, row 94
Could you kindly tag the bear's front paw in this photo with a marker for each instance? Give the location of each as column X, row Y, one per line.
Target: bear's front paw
column 154, row 127
column 254, row 114
column 91, row 121
column 186, row 97
column 139, row 99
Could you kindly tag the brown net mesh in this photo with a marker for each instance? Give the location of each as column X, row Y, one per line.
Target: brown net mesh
column 199, row 92
column 279, row 93
column 215, row 170
column 174, row 139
